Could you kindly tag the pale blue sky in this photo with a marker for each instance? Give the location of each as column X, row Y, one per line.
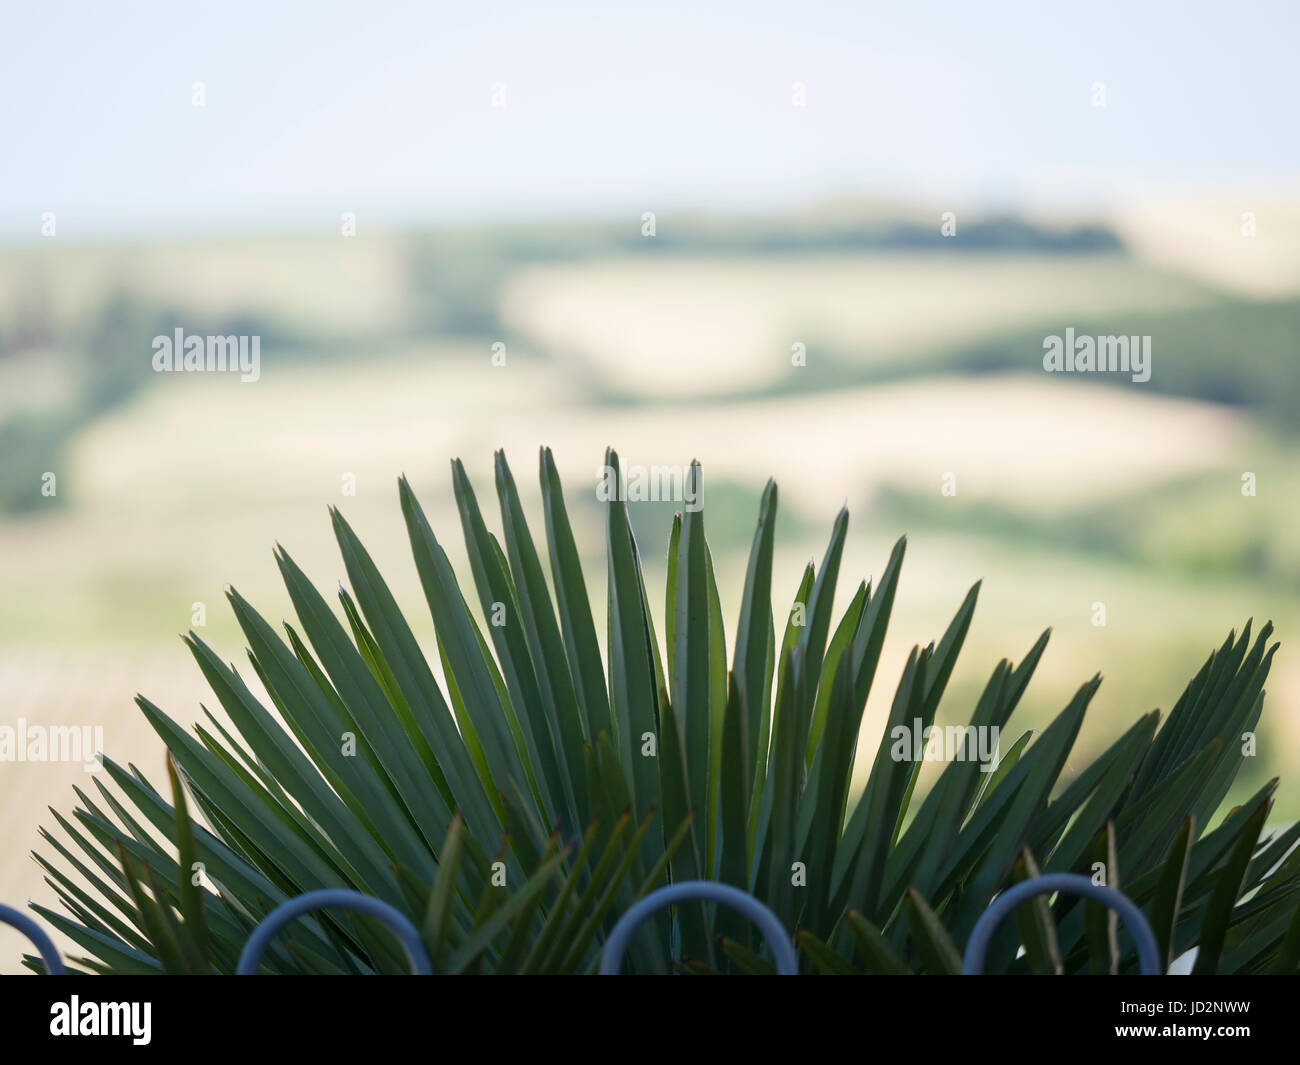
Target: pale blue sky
column 385, row 108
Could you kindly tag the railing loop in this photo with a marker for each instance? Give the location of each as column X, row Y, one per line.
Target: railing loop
column 335, row 898
column 1072, row 883
column 768, row 923
column 28, row 927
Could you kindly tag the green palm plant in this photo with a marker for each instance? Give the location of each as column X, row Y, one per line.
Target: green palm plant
column 514, row 815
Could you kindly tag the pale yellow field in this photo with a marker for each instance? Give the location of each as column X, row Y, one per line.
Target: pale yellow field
column 1246, row 241
column 664, row 326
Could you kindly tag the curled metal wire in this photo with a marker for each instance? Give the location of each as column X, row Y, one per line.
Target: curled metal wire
column 1074, row 884
column 335, row 898
column 28, row 927
column 709, row 891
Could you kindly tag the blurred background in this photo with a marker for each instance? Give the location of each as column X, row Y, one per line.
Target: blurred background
column 654, row 210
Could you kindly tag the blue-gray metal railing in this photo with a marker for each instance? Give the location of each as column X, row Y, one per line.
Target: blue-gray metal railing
column 335, row 898
column 690, row 890
column 1074, row 884
column 768, row 923
column 28, row 927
